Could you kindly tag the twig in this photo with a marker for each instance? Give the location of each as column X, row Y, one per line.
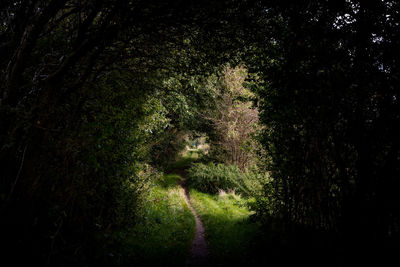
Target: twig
column 18, row 174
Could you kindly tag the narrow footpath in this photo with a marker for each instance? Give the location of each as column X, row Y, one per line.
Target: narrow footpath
column 199, row 252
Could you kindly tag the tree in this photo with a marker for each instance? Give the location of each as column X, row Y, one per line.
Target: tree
column 83, row 101
column 233, row 119
column 329, row 106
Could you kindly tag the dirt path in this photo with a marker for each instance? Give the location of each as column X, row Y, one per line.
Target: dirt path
column 199, row 253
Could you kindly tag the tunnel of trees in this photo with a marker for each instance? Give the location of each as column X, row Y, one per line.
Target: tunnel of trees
column 97, row 98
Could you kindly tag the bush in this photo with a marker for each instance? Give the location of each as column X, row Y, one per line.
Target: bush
column 209, row 178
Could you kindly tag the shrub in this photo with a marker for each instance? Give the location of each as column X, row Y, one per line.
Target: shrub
column 209, row 178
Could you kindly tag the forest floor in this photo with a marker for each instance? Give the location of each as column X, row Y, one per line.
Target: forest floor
column 224, row 228
column 181, row 226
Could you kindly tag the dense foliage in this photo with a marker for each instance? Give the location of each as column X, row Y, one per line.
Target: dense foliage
column 92, row 91
column 211, row 178
column 330, row 106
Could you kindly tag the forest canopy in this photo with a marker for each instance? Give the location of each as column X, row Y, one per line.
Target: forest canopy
column 97, row 98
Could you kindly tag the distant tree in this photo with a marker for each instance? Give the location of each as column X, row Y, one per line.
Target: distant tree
column 234, row 119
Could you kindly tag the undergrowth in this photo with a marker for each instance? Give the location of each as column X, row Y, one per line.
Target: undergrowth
column 210, row 177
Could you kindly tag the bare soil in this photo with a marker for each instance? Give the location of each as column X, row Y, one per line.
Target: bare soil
column 199, row 252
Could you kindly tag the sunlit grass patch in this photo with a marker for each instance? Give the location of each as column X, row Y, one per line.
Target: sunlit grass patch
column 164, row 234
column 229, row 231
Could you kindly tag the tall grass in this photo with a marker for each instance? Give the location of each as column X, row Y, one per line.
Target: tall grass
column 166, row 227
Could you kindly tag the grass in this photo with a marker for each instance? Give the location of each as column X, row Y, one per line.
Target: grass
column 163, row 236
column 185, row 160
column 229, row 229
